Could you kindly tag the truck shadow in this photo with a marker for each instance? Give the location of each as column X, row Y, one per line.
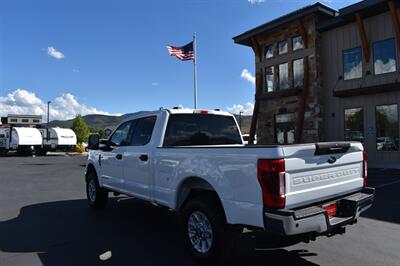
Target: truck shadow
column 387, row 186
column 136, row 233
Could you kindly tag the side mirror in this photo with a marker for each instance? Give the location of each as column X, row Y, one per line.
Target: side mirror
column 94, row 142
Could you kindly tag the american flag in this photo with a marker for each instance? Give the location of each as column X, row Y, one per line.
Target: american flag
column 183, row 53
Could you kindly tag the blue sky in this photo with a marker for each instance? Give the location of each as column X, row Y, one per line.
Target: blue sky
column 98, row 56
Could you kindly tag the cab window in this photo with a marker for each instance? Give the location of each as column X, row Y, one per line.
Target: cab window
column 143, row 131
column 200, row 129
column 120, row 136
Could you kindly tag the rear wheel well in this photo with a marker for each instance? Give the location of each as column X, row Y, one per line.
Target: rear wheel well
column 195, row 187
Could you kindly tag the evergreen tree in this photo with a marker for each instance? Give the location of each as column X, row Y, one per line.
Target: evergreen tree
column 101, row 133
column 81, row 129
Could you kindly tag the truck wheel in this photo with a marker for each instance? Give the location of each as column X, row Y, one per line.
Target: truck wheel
column 97, row 197
column 205, row 229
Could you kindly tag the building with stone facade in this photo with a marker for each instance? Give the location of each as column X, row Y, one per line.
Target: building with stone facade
column 288, row 78
column 330, row 75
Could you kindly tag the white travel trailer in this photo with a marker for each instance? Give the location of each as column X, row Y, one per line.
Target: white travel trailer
column 23, row 139
column 59, row 139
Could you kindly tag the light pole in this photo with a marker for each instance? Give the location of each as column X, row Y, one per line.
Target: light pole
column 240, row 120
column 48, row 120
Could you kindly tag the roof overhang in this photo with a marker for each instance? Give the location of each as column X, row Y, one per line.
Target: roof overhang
column 366, row 8
column 245, row 38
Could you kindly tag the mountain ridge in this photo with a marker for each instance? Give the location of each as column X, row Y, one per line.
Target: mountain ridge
column 99, row 121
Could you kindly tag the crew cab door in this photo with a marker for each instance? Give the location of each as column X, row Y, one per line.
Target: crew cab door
column 111, row 159
column 138, row 167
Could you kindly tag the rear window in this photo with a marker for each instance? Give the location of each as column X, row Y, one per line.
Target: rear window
column 201, row 129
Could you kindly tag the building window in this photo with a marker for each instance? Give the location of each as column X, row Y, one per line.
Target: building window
column 387, row 128
column 25, row 121
column 352, row 63
column 297, row 43
column 354, row 124
column 269, row 51
column 269, row 79
column 384, row 57
column 284, row 128
column 284, row 76
column 283, row 47
column 298, row 73
column 14, row 120
column 36, row 120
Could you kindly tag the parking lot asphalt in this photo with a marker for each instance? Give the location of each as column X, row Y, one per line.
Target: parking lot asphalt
column 45, row 220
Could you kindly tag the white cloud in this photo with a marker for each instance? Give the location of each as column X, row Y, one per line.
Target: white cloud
column 155, row 84
column 54, row 53
column 63, row 107
column 254, row 2
column 354, row 72
column 246, row 109
column 381, row 68
column 248, row 76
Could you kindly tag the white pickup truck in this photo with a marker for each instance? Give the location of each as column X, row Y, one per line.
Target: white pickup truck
column 194, row 162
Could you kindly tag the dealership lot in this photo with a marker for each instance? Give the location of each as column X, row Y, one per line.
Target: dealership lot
column 44, row 220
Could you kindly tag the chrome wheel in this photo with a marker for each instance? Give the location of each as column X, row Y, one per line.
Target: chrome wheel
column 200, row 232
column 92, row 190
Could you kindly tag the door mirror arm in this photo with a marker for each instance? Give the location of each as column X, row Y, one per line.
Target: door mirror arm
column 107, row 145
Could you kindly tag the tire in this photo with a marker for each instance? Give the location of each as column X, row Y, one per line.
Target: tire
column 97, row 197
column 207, row 235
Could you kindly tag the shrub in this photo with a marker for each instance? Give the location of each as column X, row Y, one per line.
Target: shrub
column 80, row 148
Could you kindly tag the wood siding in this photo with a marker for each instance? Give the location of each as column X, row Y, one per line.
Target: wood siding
column 333, row 43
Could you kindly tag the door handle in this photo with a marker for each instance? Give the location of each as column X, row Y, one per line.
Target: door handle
column 119, row 156
column 144, row 157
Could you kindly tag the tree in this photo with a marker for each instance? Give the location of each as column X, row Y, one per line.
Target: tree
column 81, row 129
column 101, row 133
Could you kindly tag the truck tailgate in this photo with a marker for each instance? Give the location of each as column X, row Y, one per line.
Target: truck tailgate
column 317, row 172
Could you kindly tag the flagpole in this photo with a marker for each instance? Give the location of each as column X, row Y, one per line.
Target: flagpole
column 195, row 70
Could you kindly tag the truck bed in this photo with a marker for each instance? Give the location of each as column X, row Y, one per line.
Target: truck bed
column 232, row 171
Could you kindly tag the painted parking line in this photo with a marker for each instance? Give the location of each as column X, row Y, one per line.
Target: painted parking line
column 388, row 184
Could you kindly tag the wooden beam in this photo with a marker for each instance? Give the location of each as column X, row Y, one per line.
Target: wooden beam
column 302, row 104
column 395, row 21
column 302, row 32
column 257, row 49
column 256, row 110
column 258, row 54
column 356, row 91
column 363, row 36
column 254, row 118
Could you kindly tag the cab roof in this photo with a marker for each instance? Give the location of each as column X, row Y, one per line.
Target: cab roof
column 197, row 111
column 176, row 110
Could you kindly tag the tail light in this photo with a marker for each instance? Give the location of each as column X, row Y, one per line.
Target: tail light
column 365, row 167
column 271, row 175
column 331, row 209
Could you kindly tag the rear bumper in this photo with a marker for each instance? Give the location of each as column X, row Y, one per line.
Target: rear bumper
column 315, row 219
